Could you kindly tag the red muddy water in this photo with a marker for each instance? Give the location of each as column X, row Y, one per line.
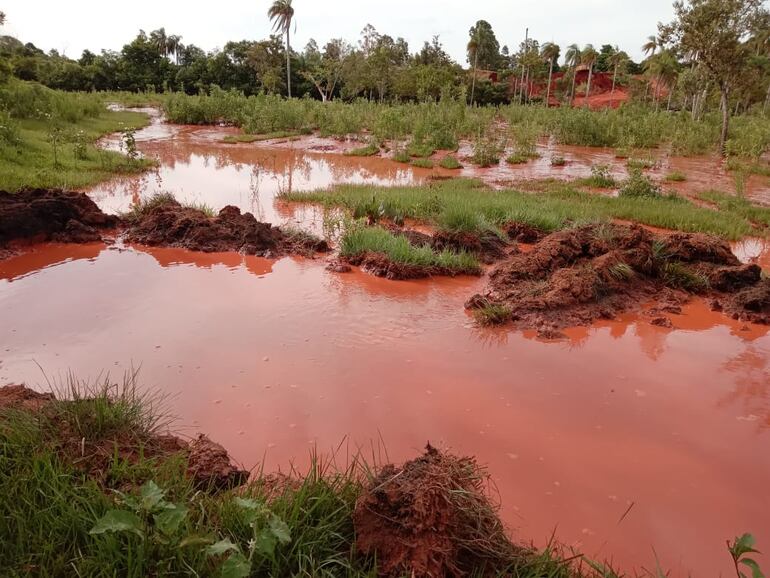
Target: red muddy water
column 274, row 358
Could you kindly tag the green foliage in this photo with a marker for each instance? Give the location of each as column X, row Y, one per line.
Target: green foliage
column 738, row 549
column 401, row 156
column 366, row 151
column 676, row 177
column 422, row 163
column 450, row 162
column 640, row 163
column 621, row 271
column 359, row 239
column 639, row 185
column 679, row 276
column 601, row 178
column 555, row 207
column 492, row 314
column 558, row 161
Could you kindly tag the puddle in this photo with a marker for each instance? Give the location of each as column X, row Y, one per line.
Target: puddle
column 275, row 358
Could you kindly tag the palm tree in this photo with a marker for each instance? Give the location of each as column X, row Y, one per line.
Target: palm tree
column 550, row 52
column 650, row 46
column 473, row 51
column 173, row 44
column 160, row 40
column 588, row 57
column 618, row 60
column 281, row 13
column 572, row 59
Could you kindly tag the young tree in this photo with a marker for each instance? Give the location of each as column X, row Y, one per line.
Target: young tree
column 487, row 48
column 717, row 31
column 281, row 14
column 550, row 52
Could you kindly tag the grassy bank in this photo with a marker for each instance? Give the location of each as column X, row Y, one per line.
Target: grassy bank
column 359, row 240
column 442, row 125
column 447, row 203
column 83, row 491
column 47, row 138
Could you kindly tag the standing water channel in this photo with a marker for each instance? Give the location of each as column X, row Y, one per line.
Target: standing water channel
column 630, row 441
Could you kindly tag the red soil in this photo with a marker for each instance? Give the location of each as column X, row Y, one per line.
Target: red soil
column 576, row 276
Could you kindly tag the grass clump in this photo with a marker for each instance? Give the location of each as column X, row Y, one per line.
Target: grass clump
column 640, row 163
column 492, row 314
column 401, row 156
column 558, row 161
column 676, row 177
column 517, row 159
column 366, row 151
column 359, row 240
column 601, row 178
column 420, row 149
column 679, row 276
column 639, row 185
column 422, row 163
column 450, row 162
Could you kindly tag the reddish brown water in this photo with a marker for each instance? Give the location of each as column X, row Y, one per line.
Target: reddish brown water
column 273, row 358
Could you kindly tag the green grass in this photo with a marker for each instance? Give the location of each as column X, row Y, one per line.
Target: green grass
column 248, row 138
column 401, row 156
column 640, row 163
column 517, row 159
column 492, row 314
column 29, row 161
column 600, row 178
column 450, row 162
column 422, row 163
column 366, row 151
column 358, row 240
column 676, row 177
column 558, row 161
column 420, row 149
column 558, row 206
column 738, row 206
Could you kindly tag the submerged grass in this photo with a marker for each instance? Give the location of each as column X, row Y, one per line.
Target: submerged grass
column 558, row 206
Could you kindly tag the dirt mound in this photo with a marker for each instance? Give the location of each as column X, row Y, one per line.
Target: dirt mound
column 169, row 224
column 51, row 215
column 208, row 463
column 432, row 518
column 488, row 247
column 381, row 265
column 21, row 397
column 210, row 467
column 695, row 247
column 523, row 232
column 751, row 304
column 575, row 276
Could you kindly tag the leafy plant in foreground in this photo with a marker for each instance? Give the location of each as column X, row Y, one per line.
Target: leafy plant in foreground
column 738, row 549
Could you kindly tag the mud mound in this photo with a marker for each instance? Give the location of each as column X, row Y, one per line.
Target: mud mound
column 432, row 518
column 380, row 265
column 575, row 276
column 169, row 224
column 524, row 233
column 21, row 397
column 210, row 467
column 699, row 247
column 751, row 304
column 51, row 215
column 488, row 247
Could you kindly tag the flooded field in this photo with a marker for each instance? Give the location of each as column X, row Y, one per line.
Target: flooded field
column 626, row 439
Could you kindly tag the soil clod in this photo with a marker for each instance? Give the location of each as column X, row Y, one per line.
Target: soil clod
column 432, row 517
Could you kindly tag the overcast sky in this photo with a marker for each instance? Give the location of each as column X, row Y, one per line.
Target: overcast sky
column 75, row 25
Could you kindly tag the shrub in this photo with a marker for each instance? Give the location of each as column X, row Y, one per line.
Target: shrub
column 450, row 162
column 639, row 185
column 422, row 163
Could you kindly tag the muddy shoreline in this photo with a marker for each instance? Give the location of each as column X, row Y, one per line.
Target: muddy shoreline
column 34, row 216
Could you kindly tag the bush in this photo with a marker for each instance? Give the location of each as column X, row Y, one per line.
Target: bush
column 450, row 162
column 639, row 185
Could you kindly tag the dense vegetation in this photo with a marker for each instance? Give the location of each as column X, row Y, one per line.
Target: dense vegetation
column 47, row 138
